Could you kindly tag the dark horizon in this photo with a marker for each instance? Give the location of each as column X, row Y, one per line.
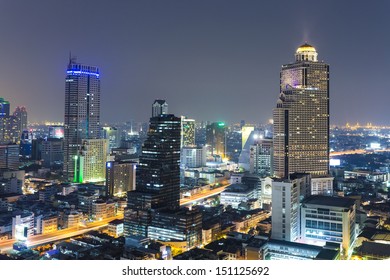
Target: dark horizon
column 217, row 61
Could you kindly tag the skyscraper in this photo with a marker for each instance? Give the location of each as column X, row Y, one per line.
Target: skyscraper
column 5, row 122
column 120, row 177
column 187, row 132
column 4, row 107
column 159, row 107
column 153, row 209
column 90, row 162
column 216, row 138
column 158, row 173
column 19, row 121
column 261, row 157
column 82, row 110
column 301, row 117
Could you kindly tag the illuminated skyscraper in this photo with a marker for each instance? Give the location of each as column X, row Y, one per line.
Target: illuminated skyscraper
column 4, row 108
column 216, row 138
column 301, row 117
column 5, row 122
column 153, row 209
column 19, row 121
column 187, row 132
column 82, row 110
column 90, row 162
column 261, row 157
column 120, row 177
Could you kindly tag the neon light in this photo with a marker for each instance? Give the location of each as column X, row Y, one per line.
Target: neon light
column 78, row 72
column 221, row 124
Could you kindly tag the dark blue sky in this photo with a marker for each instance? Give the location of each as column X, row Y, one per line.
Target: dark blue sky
column 211, row 60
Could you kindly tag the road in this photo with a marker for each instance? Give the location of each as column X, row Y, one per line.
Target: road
column 71, row 232
column 59, row 235
column 203, row 195
column 354, row 152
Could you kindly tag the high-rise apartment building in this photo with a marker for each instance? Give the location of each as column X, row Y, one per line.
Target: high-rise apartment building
column 90, row 162
column 301, row 117
column 159, row 107
column 286, row 195
column 5, row 122
column 187, row 132
column 261, row 160
column 120, row 177
column 19, row 121
column 82, row 110
column 216, row 138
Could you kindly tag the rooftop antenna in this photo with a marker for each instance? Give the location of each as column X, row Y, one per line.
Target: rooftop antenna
column 72, row 59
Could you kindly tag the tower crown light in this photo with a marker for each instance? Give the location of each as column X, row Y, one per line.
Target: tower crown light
column 306, row 52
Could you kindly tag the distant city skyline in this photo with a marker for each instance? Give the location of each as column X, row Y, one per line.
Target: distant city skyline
column 216, row 61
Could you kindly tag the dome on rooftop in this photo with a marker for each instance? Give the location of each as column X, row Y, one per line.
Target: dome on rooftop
column 306, row 52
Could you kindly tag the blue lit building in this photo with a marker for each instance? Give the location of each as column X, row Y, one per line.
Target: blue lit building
column 82, row 110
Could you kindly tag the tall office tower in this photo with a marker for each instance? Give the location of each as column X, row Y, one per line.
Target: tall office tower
column 216, row 138
column 90, row 162
column 187, row 132
column 5, row 122
column 159, row 107
column 246, row 131
column 52, row 152
column 301, row 117
column 113, row 135
column 261, row 157
column 158, row 173
column 120, row 177
column 82, row 110
column 20, row 121
column 9, row 156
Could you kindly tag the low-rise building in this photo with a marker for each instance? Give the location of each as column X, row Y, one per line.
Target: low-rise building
column 236, row 194
column 328, row 219
column 115, row 228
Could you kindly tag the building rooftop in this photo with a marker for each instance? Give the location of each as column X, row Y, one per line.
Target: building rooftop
column 229, row 245
column 374, row 249
column 327, row 254
column 197, row 254
column 329, row 201
column 293, row 244
column 116, row 222
column 306, row 47
column 237, row 188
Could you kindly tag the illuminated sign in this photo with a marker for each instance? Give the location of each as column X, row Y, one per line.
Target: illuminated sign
column 21, row 232
column 78, row 72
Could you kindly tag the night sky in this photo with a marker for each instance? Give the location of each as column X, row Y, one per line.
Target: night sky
column 211, row 60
